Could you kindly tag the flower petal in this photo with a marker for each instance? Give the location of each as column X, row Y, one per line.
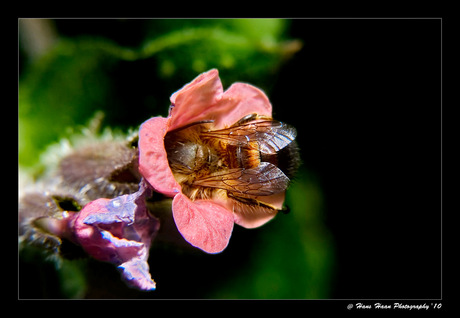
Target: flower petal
column 89, row 237
column 203, row 99
column 119, row 209
column 194, row 101
column 119, row 231
column 153, row 160
column 253, row 220
column 136, row 272
column 258, row 217
column 275, row 200
column 238, row 101
column 203, row 223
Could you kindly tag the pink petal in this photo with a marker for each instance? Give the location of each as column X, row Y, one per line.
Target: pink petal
column 255, row 218
column 119, row 231
column 203, row 223
column 238, row 101
column 153, row 160
column 89, row 237
column 193, row 102
column 204, row 99
column 275, row 200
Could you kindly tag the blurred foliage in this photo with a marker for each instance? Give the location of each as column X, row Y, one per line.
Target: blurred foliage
column 79, row 75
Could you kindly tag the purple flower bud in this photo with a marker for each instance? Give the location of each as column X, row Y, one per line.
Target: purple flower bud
column 119, row 231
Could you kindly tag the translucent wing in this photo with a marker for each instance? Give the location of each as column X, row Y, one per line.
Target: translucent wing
column 266, row 179
column 271, row 135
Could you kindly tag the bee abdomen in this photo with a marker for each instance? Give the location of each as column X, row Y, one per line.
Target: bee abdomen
column 247, row 157
column 287, row 159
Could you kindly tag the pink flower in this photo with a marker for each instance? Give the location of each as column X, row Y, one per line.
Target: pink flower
column 204, row 223
column 118, row 231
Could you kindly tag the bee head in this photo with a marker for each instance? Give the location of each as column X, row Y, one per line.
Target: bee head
column 183, row 155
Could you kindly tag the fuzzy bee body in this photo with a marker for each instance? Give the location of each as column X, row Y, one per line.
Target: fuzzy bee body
column 246, row 162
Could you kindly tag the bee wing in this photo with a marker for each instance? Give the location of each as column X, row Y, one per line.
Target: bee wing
column 271, row 135
column 266, row 179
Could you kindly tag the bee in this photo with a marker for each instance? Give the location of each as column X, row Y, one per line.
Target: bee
column 248, row 163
